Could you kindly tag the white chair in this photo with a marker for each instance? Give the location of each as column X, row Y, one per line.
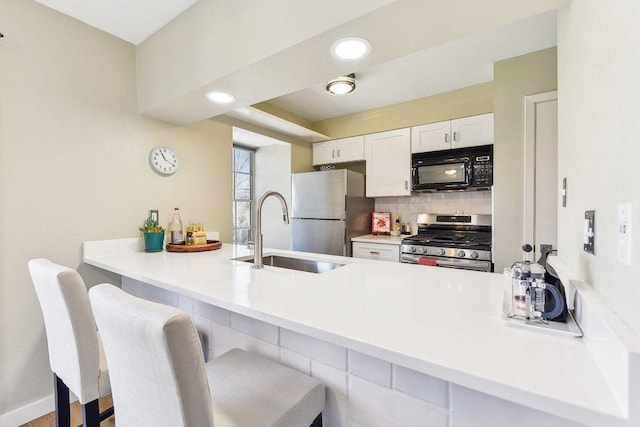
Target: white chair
column 159, row 376
column 75, row 352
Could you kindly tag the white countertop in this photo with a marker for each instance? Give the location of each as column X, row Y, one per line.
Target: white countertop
column 380, row 238
column 439, row 321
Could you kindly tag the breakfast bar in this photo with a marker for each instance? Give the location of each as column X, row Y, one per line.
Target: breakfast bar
column 395, row 344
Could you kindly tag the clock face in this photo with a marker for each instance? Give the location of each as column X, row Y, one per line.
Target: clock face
column 164, row 160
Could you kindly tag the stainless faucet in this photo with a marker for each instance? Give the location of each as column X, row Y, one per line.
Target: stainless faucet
column 257, row 257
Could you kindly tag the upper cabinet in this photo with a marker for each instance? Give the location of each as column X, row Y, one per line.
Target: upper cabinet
column 388, row 157
column 457, row 133
column 338, row 151
column 472, row 131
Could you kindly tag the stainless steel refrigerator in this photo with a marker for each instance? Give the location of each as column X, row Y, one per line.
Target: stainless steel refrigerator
column 328, row 209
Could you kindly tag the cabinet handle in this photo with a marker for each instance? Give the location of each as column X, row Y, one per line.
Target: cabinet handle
column 374, row 252
column 338, row 152
column 455, row 136
column 406, row 185
column 333, row 154
column 446, row 137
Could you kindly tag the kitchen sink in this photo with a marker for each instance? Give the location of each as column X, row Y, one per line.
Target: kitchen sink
column 308, row 265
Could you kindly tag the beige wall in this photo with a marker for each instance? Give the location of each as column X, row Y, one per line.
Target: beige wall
column 514, row 79
column 598, row 148
column 463, row 102
column 73, row 167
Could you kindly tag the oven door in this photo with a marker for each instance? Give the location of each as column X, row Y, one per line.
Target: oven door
column 463, row 264
column 446, row 174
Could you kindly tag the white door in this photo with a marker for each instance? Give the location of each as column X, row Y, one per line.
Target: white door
column 541, row 171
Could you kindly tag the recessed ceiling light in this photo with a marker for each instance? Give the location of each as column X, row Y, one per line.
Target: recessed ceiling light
column 342, row 85
column 220, row 97
column 351, row 48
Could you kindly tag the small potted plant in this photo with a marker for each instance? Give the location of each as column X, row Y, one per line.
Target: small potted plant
column 153, row 235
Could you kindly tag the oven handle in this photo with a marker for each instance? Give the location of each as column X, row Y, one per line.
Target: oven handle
column 442, row 262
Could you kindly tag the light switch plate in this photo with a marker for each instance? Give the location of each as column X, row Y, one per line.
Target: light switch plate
column 589, row 234
column 624, row 233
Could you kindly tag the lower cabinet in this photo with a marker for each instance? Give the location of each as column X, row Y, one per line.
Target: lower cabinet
column 379, row 251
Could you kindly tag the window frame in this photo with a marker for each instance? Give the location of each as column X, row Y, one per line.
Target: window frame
column 251, row 199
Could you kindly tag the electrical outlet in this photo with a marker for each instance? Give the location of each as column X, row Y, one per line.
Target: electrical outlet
column 589, row 234
column 624, row 233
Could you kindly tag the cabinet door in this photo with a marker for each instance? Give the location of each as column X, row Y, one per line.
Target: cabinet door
column 431, row 137
column 472, row 131
column 388, row 156
column 379, row 251
column 324, row 153
column 350, row 149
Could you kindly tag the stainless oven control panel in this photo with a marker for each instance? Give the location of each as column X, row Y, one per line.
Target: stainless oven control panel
column 435, row 251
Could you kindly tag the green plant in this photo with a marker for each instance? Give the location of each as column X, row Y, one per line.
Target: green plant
column 150, row 225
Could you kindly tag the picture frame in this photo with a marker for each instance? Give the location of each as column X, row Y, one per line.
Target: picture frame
column 381, row 223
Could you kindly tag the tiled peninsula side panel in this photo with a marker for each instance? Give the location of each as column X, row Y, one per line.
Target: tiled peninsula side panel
column 362, row 391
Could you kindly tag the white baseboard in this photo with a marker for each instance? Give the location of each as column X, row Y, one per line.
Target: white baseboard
column 28, row 413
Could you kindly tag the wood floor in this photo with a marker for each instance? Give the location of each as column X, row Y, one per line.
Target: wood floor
column 49, row 420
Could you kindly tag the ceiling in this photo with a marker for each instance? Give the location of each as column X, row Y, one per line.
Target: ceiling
column 130, row 20
column 447, row 66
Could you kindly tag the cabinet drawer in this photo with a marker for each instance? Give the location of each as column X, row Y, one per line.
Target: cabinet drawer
column 379, row 251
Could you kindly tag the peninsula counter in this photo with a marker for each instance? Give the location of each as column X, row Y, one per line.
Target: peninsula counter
column 428, row 343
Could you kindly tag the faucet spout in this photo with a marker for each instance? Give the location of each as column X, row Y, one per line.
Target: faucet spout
column 257, row 258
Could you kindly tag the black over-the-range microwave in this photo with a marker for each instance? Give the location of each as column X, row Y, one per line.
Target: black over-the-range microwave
column 469, row 168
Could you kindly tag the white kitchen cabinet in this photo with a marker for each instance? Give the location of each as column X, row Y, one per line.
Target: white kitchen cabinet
column 338, row 151
column 431, row 137
column 472, row 131
column 388, row 157
column 457, row 133
column 379, row 251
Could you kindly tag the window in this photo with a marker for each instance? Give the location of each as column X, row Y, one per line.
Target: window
column 242, row 170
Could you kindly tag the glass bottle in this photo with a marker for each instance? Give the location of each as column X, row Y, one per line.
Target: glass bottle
column 177, row 238
column 397, row 226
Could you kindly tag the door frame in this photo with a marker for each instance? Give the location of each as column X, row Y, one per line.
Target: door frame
column 530, row 103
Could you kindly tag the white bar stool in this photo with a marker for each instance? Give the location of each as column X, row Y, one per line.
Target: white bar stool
column 159, row 376
column 75, row 350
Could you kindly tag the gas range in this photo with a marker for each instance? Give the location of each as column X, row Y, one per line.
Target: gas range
column 454, row 241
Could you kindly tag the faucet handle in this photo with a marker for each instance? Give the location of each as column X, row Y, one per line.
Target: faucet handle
column 250, row 244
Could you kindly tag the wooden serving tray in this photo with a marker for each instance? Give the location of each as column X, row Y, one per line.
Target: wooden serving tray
column 210, row 246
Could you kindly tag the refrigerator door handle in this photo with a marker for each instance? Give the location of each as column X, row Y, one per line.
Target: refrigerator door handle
column 346, row 247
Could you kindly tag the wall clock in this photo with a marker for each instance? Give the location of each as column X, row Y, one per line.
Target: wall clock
column 164, row 160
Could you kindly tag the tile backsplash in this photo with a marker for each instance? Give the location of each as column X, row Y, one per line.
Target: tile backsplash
column 467, row 202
